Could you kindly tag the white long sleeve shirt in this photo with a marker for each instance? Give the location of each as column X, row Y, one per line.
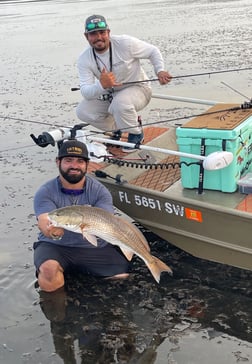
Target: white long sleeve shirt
column 127, row 52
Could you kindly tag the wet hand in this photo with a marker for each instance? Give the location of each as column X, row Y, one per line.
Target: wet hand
column 55, row 232
column 47, row 228
column 107, row 79
column 164, row 77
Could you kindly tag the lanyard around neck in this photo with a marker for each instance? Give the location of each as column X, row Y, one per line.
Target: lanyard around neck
column 96, row 57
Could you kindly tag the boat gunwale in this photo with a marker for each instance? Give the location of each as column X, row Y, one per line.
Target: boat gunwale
column 182, row 199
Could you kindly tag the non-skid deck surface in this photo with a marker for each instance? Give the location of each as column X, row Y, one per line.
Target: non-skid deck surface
column 150, row 133
column 158, row 177
column 222, row 120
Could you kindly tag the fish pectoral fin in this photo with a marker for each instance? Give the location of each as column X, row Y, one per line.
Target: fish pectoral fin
column 128, row 253
column 91, row 238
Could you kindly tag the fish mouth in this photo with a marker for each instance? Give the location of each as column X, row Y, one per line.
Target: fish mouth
column 52, row 221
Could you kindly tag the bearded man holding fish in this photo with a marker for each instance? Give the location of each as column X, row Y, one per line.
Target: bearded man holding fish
column 57, row 250
column 78, row 229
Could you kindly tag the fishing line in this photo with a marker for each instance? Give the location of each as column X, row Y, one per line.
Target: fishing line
column 31, row 121
column 233, row 89
column 246, row 105
column 17, row 148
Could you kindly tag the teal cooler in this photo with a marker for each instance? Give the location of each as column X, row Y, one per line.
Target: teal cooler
column 230, row 131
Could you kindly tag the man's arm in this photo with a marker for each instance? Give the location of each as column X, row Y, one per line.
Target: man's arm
column 146, row 50
column 43, row 204
column 90, row 86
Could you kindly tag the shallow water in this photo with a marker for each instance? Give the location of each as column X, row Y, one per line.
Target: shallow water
column 203, row 314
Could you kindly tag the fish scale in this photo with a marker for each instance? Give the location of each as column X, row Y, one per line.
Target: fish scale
column 94, row 222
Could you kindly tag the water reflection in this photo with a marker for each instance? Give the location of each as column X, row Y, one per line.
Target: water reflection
column 100, row 322
column 96, row 321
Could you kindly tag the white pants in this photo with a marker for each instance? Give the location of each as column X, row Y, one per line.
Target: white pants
column 121, row 113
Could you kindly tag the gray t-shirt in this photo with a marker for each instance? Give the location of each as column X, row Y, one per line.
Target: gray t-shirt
column 50, row 197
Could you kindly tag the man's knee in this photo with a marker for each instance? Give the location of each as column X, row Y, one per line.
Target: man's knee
column 50, row 276
column 50, row 268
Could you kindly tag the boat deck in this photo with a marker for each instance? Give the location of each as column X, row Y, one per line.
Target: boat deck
column 164, row 174
column 147, row 187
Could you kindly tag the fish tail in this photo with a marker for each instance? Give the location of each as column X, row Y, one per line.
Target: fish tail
column 156, row 266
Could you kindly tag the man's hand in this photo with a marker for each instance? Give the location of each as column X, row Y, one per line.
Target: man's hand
column 164, row 77
column 48, row 229
column 55, row 232
column 107, row 79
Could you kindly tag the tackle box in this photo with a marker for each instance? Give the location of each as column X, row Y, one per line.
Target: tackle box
column 217, row 129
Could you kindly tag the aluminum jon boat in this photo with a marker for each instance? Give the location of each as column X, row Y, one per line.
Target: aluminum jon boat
column 189, row 185
column 203, row 212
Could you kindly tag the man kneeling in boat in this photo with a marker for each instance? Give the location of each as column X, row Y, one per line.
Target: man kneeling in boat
column 108, row 71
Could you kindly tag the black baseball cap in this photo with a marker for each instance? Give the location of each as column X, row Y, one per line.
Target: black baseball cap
column 94, row 23
column 73, row 148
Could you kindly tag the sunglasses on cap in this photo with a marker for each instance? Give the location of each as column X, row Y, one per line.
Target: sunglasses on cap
column 98, row 25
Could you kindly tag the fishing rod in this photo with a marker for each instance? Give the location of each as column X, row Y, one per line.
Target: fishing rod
column 56, row 135
column 214, row 161
column 193, row 75
column 181, row 76
column 49, row 138
column 246, row 105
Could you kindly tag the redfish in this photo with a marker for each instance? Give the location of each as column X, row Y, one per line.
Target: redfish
column 94, row 222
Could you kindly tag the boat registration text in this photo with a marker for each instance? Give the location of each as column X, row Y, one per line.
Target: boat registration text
column 164, row 206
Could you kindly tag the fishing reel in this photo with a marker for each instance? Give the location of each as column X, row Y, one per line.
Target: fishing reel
column 57, row 135
column 247, row 104
column 97, row 151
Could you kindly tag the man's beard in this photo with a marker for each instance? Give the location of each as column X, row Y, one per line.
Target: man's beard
column 73, row 179
column 100, row 48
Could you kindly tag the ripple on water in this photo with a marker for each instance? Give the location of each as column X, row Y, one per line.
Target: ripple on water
column 17, row 293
